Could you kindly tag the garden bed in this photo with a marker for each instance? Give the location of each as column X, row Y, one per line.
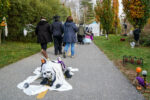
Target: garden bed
column 115, row 49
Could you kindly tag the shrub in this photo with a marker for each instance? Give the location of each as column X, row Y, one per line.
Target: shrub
column 145, row 39
column 23, row 12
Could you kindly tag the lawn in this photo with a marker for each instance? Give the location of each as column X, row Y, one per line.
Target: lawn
column 116, row 49
column 11, row 52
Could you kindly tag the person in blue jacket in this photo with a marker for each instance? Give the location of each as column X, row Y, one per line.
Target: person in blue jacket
column 69, row 38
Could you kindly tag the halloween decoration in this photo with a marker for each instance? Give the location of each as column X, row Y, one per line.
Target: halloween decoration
column 132, row 44
column 136, row 34
column 138, row 69
column 122, row 39
column 141, row 83
column 132, row 60
column 52, row 75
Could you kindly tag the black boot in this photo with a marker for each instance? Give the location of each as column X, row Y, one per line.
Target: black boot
column 67, row 74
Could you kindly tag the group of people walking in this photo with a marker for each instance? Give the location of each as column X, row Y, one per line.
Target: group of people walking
column 59, row 33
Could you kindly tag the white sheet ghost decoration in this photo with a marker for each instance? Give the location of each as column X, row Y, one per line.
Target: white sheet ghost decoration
column 54, row 72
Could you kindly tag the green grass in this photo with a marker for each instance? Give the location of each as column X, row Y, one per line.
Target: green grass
column 11, row 52
column 115, row 50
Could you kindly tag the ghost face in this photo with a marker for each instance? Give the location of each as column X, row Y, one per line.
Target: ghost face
column 46, row 71
column 47, row 74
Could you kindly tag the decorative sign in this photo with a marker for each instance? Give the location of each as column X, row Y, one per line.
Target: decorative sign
column 132, row 60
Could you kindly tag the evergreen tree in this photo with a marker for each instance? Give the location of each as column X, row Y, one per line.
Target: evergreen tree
column 88, row 13
column 105, row 13
column 24, row 12
column 4, row 6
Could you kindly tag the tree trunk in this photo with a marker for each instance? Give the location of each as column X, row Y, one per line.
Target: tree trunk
column 0, row 36
column 107, row 35
column 138, row 42
column 116, row 30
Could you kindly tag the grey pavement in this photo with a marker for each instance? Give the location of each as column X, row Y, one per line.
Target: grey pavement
column 97, row 79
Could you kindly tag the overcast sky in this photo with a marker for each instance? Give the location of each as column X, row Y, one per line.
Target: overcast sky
column 120, row 7
column 120, row 4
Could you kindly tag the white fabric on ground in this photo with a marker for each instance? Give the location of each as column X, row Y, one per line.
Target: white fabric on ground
column 73, row 69
column 36, row 89
column 29, row 80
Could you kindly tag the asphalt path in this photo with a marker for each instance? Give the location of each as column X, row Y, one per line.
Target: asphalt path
column 97, row 78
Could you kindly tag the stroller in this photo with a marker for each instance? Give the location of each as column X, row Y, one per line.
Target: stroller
column 80, row 38
column 88, row 37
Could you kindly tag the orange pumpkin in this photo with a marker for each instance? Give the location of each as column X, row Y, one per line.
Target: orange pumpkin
column 138, row 69
column 43, row 61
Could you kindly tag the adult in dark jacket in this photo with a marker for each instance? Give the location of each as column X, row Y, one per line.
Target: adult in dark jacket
column 69, row 38
column 57, row 31
column 136, row 34
column 125, row 29
column 43, row 35
column 80, row 34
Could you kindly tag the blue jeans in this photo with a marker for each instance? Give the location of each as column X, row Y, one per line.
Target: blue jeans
column 67, row 45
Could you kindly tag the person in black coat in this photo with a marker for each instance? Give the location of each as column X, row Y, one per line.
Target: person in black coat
column 136, row 34
column 125, row 29
column 57, row 31
column 43, row 35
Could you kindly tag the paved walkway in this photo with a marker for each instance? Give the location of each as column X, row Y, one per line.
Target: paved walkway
column 97, row 79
